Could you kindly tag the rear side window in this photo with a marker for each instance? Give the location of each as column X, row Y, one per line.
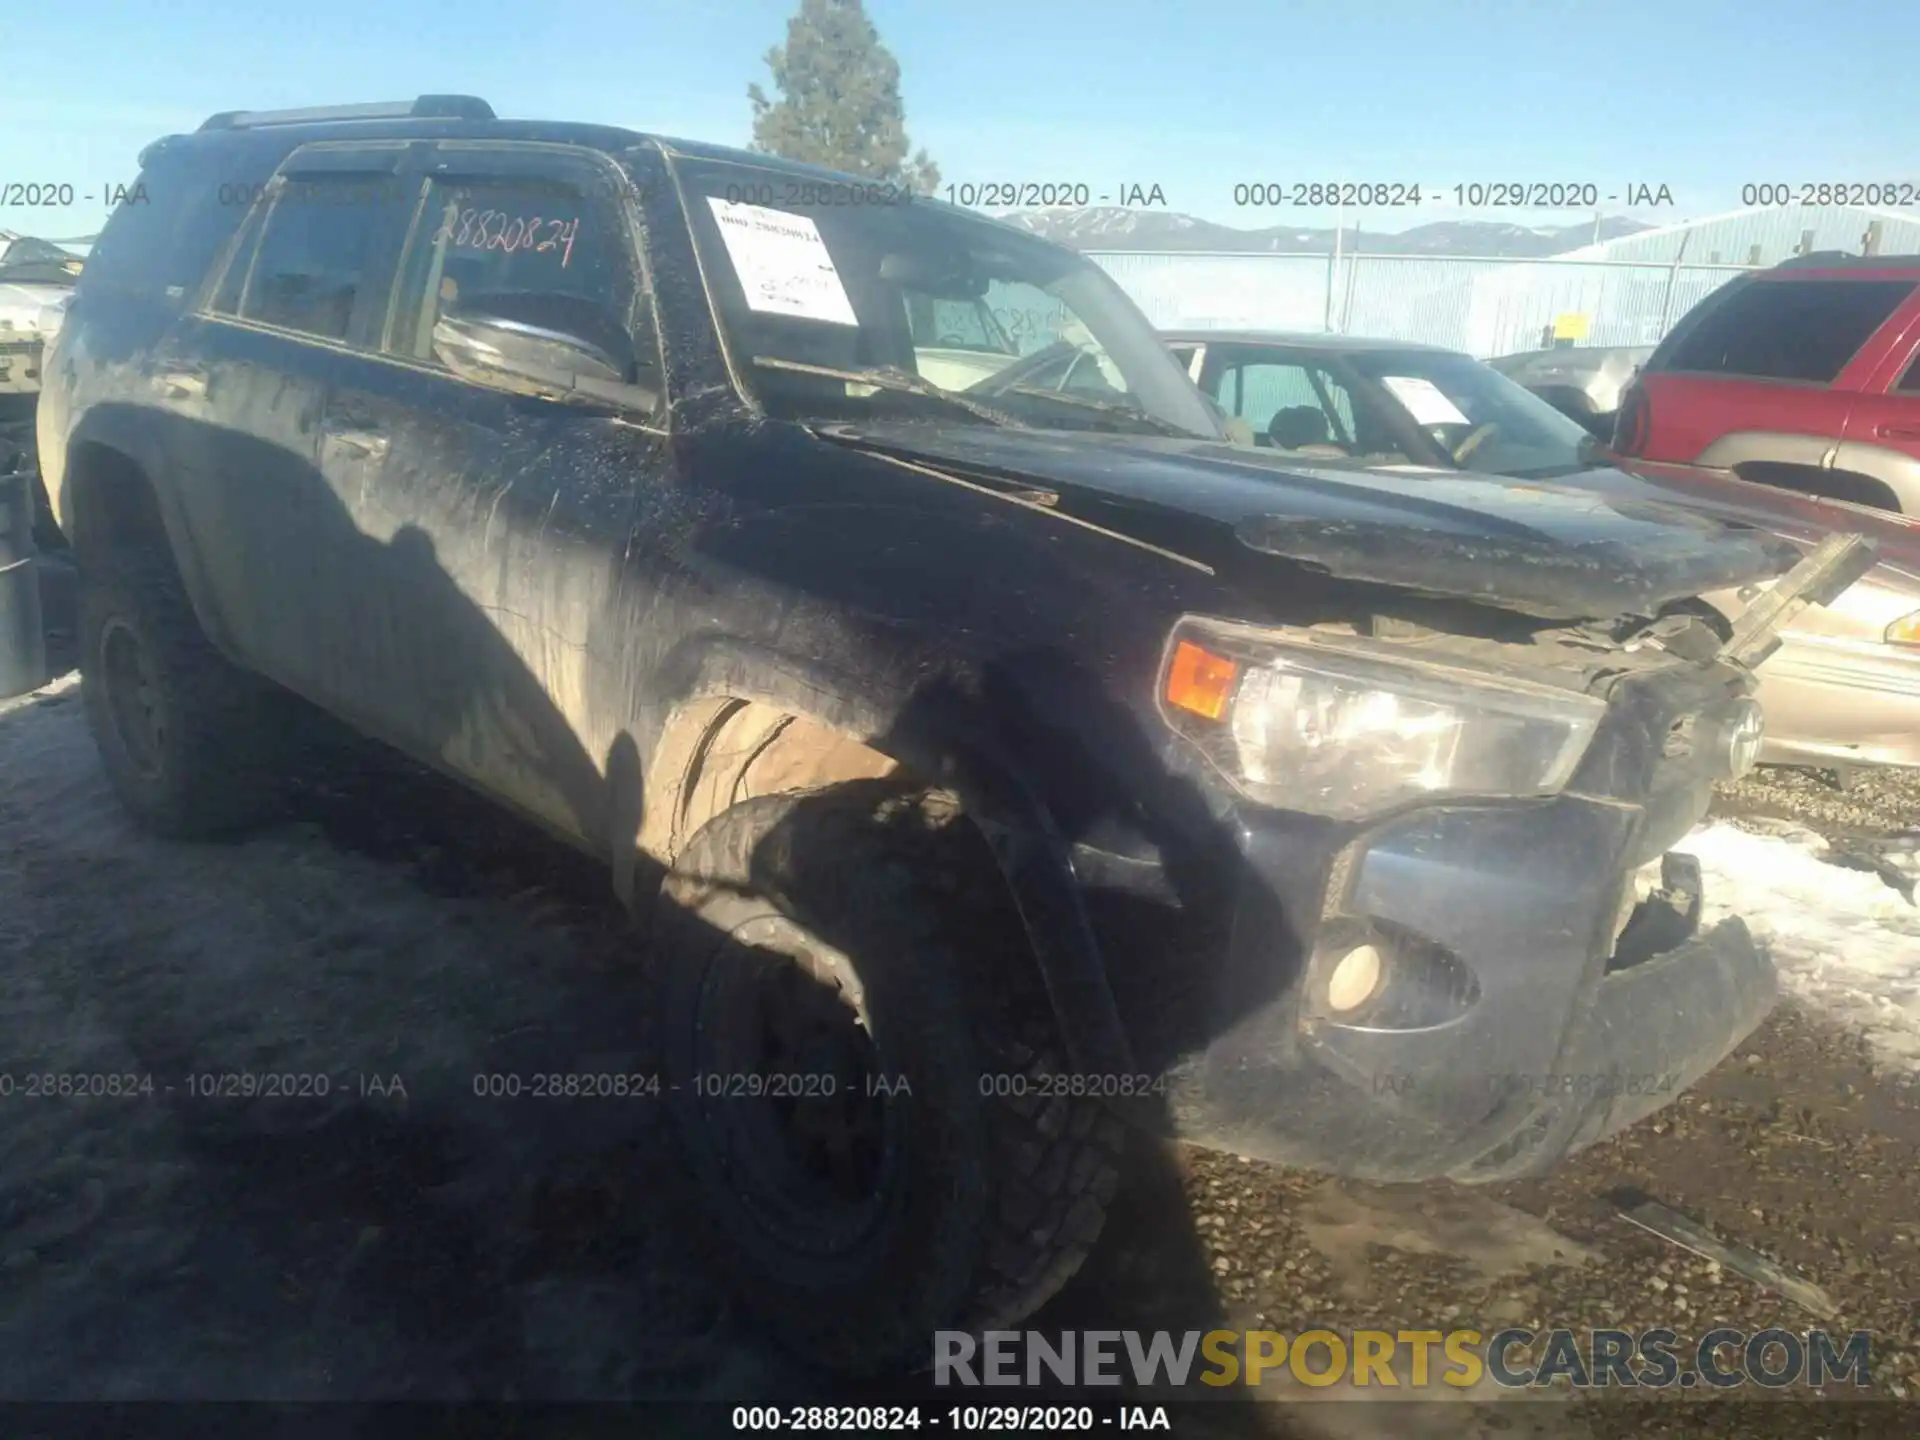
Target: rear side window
column 317, row 250
column 1910, row 382
column 160, row 248
column 1805, row 330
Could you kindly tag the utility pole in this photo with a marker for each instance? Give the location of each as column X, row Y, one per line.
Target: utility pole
column 1333, row 266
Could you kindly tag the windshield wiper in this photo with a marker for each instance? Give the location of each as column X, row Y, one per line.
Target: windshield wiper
column 892, row 377
column 1108, row 407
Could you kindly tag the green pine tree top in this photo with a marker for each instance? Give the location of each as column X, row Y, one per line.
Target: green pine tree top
column 839, row 100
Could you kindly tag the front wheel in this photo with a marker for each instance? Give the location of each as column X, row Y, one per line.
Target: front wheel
column 859, row 1054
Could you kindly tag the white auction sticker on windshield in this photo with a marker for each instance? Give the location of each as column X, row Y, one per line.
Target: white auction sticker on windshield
column 782, row 262
column 1424, row 400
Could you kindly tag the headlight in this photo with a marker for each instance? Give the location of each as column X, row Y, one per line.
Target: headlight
column 1905, row 631
column 1330, row 728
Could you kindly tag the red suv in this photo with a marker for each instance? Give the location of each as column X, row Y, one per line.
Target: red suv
column 1802, row 376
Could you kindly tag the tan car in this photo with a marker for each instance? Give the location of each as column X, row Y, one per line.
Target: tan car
column 1843, row 689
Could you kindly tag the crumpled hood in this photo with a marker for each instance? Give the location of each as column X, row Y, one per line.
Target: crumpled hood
column 1539, row 549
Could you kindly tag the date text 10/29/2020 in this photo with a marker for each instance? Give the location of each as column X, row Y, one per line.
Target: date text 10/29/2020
column 798, row 1085
column 554, row 1085
column 868, row 1419
column 197, row 1085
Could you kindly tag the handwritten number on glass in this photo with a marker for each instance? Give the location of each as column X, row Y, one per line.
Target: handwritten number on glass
column 509, row 234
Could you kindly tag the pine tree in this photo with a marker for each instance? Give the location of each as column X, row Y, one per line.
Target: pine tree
column 839, row 100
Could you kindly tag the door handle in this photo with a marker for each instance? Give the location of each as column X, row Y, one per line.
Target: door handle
column 1897, row 432
column 183, row 384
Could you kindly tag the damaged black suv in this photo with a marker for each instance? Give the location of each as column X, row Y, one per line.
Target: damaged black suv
column 997, row 754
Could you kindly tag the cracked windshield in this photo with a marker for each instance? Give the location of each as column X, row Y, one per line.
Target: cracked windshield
column 841, row 716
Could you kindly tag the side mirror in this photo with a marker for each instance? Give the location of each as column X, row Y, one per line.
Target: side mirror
column 533, row 360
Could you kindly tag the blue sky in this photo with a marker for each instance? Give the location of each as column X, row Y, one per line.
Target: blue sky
column 1699, row 95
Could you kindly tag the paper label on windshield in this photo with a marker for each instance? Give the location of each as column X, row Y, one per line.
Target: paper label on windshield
column 782, row 262
column 1424, row 400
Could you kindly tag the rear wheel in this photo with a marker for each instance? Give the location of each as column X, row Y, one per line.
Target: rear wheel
column 188, row 741
column 859, row 1052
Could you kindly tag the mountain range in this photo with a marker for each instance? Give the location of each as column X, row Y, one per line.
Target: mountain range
column 1114, row 227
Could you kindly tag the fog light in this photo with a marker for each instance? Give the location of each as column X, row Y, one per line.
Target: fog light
column 1354, row 979
column 1744, row 733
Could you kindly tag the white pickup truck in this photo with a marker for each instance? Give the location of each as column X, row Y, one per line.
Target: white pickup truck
column 1582, row 382
column 36, row 281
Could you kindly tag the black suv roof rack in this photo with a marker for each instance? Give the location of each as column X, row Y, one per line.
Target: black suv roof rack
column 426, row 107
column 1828, row 259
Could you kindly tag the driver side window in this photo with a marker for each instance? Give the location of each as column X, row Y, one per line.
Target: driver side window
column 523, row 248
column 1312, row 407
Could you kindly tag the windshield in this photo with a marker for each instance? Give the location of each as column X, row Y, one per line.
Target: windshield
column 802, row 282
column 1477, row 416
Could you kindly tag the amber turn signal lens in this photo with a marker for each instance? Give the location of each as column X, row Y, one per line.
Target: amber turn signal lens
column 1199, row 680
column 1905, row 631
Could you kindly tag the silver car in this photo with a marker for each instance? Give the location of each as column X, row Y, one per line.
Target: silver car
column 1584, row 383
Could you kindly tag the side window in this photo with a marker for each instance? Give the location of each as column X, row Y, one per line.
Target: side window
column 1804, row 330
column 1226, row 389
column 1341, row 401
column 1259, row 390
column 1910, row 382
column 524, row 248
column 943, row 324
column 1030, row 317
column 166, row 245
column 225, row 299
column 316, row 252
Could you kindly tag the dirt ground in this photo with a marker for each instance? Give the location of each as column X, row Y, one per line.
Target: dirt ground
column 400, row 1236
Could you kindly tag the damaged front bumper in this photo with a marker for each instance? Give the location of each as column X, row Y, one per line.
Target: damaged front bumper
column 1474, row 989
column 1520, row 1020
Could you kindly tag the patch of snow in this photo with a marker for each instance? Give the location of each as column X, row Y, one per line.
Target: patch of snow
column 1847, row 943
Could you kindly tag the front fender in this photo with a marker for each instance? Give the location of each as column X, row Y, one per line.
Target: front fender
column 946, row 733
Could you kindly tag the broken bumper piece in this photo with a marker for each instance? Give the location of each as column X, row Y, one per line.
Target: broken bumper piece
column 1519, row 1011
column 1652, row 1032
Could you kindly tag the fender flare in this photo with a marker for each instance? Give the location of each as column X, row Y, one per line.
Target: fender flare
column 1895, row 469
column 122, row 432
column 945, row 748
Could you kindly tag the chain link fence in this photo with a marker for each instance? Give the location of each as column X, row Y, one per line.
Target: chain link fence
column 1486, row 307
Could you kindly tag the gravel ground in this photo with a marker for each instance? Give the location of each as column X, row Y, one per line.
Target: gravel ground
column 1877, row 801
column 1796, row 1147
column 402, row 1238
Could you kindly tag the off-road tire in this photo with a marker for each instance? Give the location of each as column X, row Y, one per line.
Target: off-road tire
column 218, row 765
column 1000, row 1196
